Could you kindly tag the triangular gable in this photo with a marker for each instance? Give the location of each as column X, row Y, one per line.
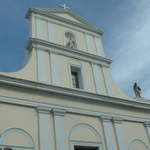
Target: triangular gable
column 67, row 14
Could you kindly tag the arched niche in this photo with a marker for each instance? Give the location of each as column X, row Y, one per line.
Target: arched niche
column 16, row 138
column 137, row 144
column 84, row 135
column 70, row 39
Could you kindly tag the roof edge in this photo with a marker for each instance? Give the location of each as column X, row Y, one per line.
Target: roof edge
column 87, row 26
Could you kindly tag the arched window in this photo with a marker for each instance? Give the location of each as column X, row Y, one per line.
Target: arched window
column 16, row 139
column 84, row 137
column 70, row 40
column 137, row 144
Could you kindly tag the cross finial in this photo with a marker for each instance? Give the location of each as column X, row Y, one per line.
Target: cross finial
column 64, row 6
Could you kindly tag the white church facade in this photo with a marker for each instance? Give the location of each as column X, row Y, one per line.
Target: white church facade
column 64, row 97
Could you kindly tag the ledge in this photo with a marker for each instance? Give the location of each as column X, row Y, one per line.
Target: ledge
column 33, row 41
column 83, row 95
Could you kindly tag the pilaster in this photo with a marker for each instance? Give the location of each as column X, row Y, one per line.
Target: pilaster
column 45, row 128
column 147, row 126
column 59, row 115
column 108, row 132
column 118, row 125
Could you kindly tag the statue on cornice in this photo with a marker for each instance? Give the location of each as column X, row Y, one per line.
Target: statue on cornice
column 137, row 90
column 71, row 43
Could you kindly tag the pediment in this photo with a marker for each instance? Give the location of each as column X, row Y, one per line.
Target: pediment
column 66, row 14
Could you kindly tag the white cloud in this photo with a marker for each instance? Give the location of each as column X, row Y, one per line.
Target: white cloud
column 132, row 58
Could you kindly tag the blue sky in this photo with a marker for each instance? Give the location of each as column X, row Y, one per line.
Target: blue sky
column 126, row 38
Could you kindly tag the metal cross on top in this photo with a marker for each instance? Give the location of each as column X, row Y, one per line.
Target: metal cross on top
column 64, row 6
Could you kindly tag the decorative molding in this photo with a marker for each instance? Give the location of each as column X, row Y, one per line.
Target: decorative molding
column 20, row 131
column 108, row 133
column 44, row 110
column 88, row 144
column 33, row 42
column 17, row 147
column 85, row 125
column 59, row 91
column 34, row 104
column 118, row 120
column 119, row 132
column 45, row 128
column 147, row 127
column 59, row 112
column 59, row 128
column 106, row 118
column 139, row 141
column 147, row 124
column 50, row 15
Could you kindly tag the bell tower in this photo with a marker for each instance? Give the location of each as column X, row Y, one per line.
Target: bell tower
column 66, row 51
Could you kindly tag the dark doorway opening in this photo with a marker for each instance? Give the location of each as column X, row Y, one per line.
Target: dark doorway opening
column 77, row 147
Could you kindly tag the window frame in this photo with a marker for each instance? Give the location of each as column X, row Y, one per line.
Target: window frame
column 81, row 77
column 87, row 144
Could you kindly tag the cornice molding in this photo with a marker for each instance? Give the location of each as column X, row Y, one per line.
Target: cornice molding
column 44, row 13
column 33, row 42
column 147, row 124
column 83, row 95
column 106, row 118
column 34, row 104
column 59, row 112
column 118, row 120
column 44, row 110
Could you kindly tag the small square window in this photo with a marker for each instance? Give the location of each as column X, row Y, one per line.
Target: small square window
column 76, row 77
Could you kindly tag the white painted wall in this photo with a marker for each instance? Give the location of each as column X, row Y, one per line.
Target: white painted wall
column 50, row 32
column 41, row 29
column 109, row 134
column 107, row 80
column 45, row 127
column 99, row 81
column 43, row 65
column 55, row 69
column 99, row 47
column 90, row 43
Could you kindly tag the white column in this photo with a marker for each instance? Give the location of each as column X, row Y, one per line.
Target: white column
column 118, row 125
column 55, row 69
column 40, row 29
column 98, row 78
column 45, row 128
column 90, row 43
column 109, row 133
column 99, row 47
column 107, row 78
column 147, row 126
column 50, row 32
column 43, row 66
column 59, row 128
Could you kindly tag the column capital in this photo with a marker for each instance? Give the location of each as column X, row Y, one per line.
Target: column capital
column 44, row 110
column 117, row 120
column 147, row 124
column 106, row 118
column 59, row 112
